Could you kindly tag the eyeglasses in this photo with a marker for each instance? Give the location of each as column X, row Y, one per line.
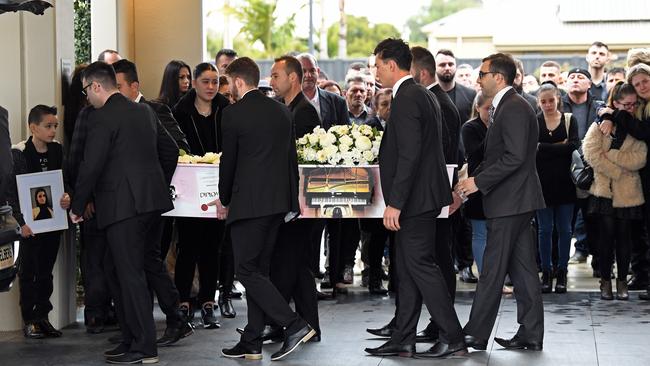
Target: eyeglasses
column 481, row 74
column 630, row 105
column 83, row 91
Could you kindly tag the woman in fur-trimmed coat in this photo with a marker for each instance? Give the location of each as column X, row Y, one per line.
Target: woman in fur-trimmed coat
column 617, row 199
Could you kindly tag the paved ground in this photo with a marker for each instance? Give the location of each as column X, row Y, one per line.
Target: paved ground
column 581, row 329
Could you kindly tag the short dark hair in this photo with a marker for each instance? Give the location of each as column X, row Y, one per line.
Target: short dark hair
column 616, row 70
column 599, row 44
column 101, row 73
column 551, row 63
column 291, row 64
column 223, row 80
column 445, row 52
column 246, row 69
column 355, row 79
column 424, row 59
column 102, row 55
column 358, row 66
column 503, row 64
column 37, row 113
column 397, row 50
column 127, row 68
column 225, row 52
column 203, row 67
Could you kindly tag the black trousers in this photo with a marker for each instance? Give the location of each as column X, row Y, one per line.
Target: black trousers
column 198, row 244
column 343, row 235
column 167, row 232
column 37, row 258
column 226, row 264
column 640, row 261
column 420, row 280
column 126, row 272
column 510, row 249
column 315, row 239
column 158, row 279
column 591, row 231
column 461, row 240
column 290, row 272
column 97, row 297
column 253, row 241
column 615, row 236
column 374, row 236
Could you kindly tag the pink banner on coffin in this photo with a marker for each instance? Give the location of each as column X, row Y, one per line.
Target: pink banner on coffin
column 324, row 191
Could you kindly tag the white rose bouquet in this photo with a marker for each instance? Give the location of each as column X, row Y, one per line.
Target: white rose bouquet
column 340, row 145
column 209, row 158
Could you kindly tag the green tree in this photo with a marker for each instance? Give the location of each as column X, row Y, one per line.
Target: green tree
column 361, row 36
column 82, row 31
column 437, row 9
column 261, row 24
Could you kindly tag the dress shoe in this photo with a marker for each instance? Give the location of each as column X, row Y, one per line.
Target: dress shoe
column 479, row 344
column 621, row 290
column 348, row 275
column 95, row 325
column 117, row 351
column 636, row 283
column 174, row 334
column 314, row 339
column 208, row 317
column 578, row 257
column 467, row 276
column 561, row 281
column 377, row 288
column 426, row 335
column 234, row 293
column 293, row 341
column 49, row 329
column 273, row 334
column 33, row 331
column 547, row 282
column 517, row 343
column 225, row 305
column 130, row 358
column 241, row 351
column 606, row 289
column 441, row 349
column 390, row 349
column 385, row 332
column 323, row 296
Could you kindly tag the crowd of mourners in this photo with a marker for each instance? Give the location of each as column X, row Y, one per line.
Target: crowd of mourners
column 599, row 113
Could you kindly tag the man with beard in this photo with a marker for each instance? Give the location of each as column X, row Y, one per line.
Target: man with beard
column 462, row 96
column 597, row 58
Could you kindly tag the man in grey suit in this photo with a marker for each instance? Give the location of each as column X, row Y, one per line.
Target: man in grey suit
column 508, row 179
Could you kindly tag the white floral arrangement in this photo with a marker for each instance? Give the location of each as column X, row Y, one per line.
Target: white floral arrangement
column 209, row 158
column 340, row 145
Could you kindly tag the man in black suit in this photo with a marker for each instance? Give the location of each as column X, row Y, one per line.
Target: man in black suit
column 416, row 187
column 462, row 96
column 512, row 193
column 258, row 191
column 160, row 282
column 128, row 159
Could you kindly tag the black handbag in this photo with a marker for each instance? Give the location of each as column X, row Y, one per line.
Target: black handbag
column 582, row 173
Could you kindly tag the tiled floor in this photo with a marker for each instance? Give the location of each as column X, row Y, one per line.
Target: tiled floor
column 580, row 328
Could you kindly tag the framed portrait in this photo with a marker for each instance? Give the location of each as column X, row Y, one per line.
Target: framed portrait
column 39, row 195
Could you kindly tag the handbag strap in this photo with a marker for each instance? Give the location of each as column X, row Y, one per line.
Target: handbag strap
column 567, row 123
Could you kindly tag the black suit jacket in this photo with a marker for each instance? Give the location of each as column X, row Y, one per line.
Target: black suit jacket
column 258, row 172
column 168, row 121
column 333, row 109
column 305, row 117
column 128, row 161
column 6, row 162
column 450, row 125
column 464, row 99
column 507, row 177
column 375, row 122
column 411, row 161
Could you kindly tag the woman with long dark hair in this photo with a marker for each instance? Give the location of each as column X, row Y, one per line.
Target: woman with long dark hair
column 43, row 209
column 176, row 81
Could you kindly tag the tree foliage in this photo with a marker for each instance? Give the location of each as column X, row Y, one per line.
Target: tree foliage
column 362, row 37
column 437, row 9
column 82, row 31
column 260, row 24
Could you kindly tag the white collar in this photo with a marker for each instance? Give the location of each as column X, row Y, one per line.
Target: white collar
column 432, row 85
column 314, row 100
column 497, row 98
column 137, row 100
column 399, row 83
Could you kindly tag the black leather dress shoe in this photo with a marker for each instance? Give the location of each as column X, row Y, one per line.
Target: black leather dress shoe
column 241, row 351
column 467, row 276
column 426, row 336
column 33, row 331
column 441, row 349
column 478, row 344
column 130, row 358
column 117, row 351
column 225, row 305
column 49, row 329
column 234, row 293
column 385, row 332
column 293, row 341
column 273, row 334
column 518, row 343
column 390, row 349
column 174, row 334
